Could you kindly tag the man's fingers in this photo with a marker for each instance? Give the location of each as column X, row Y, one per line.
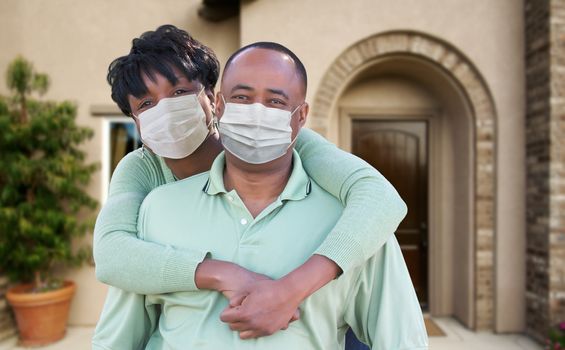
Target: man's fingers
column 233, row 315
column 248, row 335
column 295, row 316
column 238, row 326
column 229, row 315
column 237, row 299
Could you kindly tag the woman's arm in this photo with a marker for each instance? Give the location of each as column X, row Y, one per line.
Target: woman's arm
column 122, row 259
column 372, row 211
column 372, row 207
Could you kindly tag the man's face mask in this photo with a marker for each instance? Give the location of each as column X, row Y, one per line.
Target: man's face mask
column 175, row 127
column 254, row 133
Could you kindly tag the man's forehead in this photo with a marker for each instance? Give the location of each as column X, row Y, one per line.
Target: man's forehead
column 260, row 64
column 261, row 59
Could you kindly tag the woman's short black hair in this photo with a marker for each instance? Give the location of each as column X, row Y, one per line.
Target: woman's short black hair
column 157, row 52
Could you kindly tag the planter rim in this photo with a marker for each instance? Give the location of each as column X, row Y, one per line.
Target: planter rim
column 18, row 295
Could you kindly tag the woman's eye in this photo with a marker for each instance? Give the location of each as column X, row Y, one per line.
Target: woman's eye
column 180, row 92
column 144, row 104
column 239, row 97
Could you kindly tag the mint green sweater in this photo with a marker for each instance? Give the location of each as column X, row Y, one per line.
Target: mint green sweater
column 373, row 210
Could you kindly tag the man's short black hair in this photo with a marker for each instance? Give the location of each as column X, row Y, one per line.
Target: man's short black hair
column 158, row 52
column 300, row 70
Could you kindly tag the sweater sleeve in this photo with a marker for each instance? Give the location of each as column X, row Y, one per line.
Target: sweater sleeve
column 372, row 211
column 122, row 259
column 383, row 310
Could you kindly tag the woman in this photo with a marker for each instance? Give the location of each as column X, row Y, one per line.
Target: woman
column 168, row 63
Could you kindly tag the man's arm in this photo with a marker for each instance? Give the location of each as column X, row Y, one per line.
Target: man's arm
column 123, row 260
column 384, row 311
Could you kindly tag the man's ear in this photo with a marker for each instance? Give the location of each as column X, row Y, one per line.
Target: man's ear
column 219, row 105
column 303, row 114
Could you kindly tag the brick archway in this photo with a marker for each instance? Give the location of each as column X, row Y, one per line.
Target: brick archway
column 463, row 72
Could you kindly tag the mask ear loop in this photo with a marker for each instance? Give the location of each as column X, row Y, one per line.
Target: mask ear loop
column 295, row 137
column 142, row 144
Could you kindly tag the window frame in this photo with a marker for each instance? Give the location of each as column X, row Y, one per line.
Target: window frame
column 106, row 151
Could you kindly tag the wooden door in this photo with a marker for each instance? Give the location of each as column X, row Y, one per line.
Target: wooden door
column 398, row 149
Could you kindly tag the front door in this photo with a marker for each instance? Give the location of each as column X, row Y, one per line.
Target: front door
column 398, row 149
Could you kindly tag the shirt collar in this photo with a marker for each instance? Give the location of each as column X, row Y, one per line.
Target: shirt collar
column 297, row 187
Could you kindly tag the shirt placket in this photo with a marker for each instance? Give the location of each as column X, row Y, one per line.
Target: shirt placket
column 242, row 217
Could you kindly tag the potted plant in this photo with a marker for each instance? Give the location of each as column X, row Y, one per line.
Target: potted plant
column 42, row 174
column 556, row 340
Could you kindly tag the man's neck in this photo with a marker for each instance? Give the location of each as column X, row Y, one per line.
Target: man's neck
column 199, row 161
column 257, row 185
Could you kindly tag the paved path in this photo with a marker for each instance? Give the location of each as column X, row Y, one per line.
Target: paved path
column 458, row 338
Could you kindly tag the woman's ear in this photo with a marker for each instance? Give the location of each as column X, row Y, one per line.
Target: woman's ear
column 211, row 96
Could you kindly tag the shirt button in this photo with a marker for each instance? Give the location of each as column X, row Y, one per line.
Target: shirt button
column 243, row 221
column 230, row 198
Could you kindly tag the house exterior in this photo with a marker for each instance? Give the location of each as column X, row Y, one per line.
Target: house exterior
column 459, row 103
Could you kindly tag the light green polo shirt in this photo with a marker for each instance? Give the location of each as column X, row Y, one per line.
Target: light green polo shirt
column 376, row 299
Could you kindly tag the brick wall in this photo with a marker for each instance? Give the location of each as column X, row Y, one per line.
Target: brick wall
column 545, row 165
column 557, row 165
column 7, row 328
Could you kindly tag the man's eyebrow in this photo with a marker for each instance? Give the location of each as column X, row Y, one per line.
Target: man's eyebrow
column 278, row 92
column 242, row 87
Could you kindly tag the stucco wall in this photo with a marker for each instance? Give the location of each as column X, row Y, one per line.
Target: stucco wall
column 74, row 41
column 489, row 33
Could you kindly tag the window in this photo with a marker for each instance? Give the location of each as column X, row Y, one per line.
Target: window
column 119, row 137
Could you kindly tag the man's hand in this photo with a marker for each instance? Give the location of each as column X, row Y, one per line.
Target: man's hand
column 261, row 309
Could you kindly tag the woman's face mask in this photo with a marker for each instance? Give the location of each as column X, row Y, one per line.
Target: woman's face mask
column 175, row 127
column 254, row 133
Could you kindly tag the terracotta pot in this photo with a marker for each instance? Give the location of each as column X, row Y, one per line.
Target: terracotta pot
column 41, row 317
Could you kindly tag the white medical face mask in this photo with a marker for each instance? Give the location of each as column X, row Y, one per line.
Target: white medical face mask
column 254, row 133
column 175, row 127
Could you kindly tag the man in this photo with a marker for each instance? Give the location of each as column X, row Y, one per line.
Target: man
column 258, row 208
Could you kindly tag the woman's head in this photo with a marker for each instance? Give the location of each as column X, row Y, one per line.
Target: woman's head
column 166, row 51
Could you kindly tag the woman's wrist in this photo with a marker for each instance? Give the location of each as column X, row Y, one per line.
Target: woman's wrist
column 315, row 273
column 213, row 274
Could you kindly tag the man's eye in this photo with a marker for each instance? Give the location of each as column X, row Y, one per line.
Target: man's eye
column 239, row 97
column 277, row 103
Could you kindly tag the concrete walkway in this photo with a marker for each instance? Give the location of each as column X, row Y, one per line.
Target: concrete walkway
column 461, row 338
column 458, row 337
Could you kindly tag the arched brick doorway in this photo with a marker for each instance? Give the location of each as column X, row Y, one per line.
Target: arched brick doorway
column 444, row 57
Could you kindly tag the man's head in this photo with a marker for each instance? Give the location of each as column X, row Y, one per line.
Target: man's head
column 167, row 53
column 299, row 67
column 268, row 74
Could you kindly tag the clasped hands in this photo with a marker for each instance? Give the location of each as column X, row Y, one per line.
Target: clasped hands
column 258, row 305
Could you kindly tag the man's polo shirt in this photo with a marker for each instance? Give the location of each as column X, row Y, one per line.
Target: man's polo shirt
column 199, row 213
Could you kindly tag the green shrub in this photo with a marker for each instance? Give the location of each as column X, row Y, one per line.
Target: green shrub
column 42, row 179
